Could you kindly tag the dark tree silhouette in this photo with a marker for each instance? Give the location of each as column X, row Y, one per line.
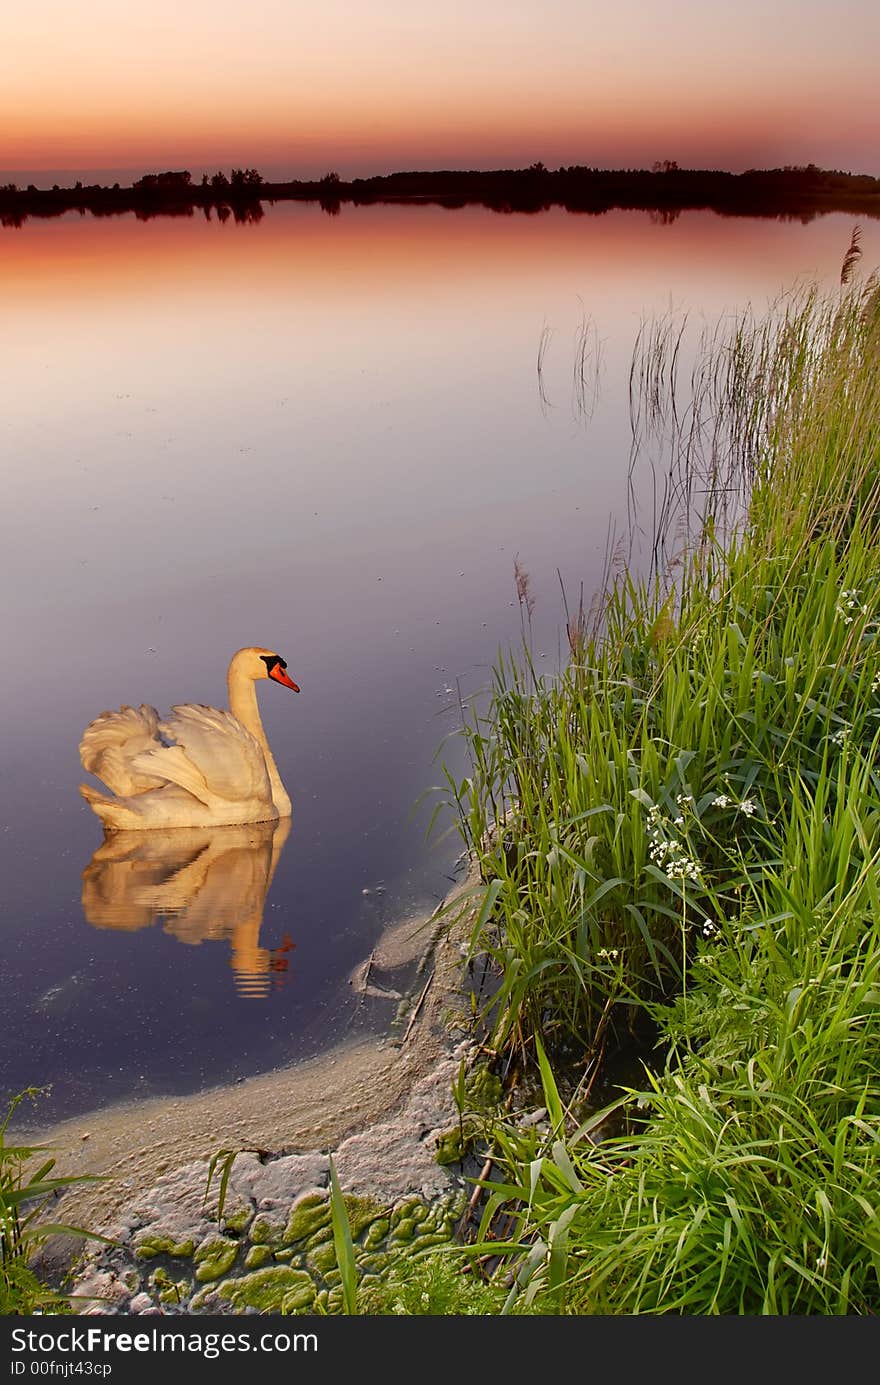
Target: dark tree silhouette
column 800, row 191
column 245, row 180
column 169, row 182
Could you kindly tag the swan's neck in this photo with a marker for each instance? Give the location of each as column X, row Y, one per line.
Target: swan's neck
column 244, row 707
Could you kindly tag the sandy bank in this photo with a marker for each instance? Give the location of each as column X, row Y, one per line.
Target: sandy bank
column 313, row 1105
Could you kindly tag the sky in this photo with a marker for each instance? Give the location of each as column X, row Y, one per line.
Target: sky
column 299, row 87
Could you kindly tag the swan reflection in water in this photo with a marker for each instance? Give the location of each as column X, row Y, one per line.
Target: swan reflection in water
column 203, row 883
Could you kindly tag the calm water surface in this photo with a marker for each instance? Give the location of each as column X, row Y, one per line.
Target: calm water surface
column 325, row 436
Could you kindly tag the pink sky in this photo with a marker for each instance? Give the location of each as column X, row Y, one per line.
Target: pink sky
column 297, row 89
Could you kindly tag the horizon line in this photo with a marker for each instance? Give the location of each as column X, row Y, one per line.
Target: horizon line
column 657, row 166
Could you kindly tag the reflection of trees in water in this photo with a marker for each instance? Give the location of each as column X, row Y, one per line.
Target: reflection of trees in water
column 328, row 194
column 664, row 216
column 243, row 213
column 248, row 213
column 150, row 213
column 665, row 191
column 202, row 884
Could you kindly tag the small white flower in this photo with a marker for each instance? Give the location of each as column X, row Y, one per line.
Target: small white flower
column 679, row 822
column 682, row 867
column 709, row 929
column 722, row 801
column 748, row 806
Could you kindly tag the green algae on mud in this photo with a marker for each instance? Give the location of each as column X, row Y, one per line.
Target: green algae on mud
column 294, row 1269
column 151, row 1246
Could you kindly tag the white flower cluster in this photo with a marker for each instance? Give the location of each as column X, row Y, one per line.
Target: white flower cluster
column 747, row 806
column 875, row 686
column 849, row 602
column 667, row 852
column 684, row 801
column 608, row 952
column 840, row 736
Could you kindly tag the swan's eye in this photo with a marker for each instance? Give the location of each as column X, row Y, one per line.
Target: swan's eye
column 270, row 660
column 283, row 663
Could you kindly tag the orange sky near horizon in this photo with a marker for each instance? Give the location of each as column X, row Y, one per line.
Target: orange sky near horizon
column 390, row 84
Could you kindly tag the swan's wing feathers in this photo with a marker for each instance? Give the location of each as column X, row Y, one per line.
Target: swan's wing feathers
column 111, row 743
column 213, row 760
column 228, row 757
column 172, row 763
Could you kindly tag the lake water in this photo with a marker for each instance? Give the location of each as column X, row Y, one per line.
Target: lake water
column 324, row 435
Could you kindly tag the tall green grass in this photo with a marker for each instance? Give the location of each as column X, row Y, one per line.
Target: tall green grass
column 746, row 1177
column 26, row 1192
column 620, row 811
column 686, row 824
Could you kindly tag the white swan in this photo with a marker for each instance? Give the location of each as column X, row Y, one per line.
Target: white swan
column 200, row 768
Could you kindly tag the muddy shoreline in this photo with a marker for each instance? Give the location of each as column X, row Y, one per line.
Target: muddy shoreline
column 361, row 1085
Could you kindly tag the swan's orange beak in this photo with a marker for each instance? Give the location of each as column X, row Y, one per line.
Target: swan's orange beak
column 280, row 676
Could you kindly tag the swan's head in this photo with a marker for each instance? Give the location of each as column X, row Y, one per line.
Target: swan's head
column 256, row 663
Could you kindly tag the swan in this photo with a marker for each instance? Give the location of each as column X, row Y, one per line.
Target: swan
column 199, row 768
